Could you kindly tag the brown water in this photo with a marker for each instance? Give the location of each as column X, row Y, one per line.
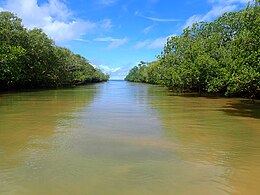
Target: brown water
column 124, row 138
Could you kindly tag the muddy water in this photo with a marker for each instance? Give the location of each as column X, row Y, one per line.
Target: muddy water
column 125, row 138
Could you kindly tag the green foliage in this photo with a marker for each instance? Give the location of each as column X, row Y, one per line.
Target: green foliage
column 222, row 56
column 138, row 73
column 29, row 58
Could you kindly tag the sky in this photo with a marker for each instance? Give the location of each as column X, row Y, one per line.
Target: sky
column 115, row 35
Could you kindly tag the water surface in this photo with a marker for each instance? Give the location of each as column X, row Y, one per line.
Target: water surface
column 124, row 138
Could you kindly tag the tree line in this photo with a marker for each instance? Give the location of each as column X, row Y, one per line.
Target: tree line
column 30, row 59
column 221, row 57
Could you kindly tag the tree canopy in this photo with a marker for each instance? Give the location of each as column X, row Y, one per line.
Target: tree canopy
column 29, row 59
column 222, row 56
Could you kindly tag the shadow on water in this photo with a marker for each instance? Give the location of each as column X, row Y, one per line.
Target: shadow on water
column 196, row 95
column 243, row 108
column 221, row 134
column 234, row 107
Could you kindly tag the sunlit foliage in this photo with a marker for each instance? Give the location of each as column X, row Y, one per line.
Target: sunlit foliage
column 222, row 57
column 29, row 59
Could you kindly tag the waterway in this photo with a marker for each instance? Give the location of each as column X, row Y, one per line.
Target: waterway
column 127, row 138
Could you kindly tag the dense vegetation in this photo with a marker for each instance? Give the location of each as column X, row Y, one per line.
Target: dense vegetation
column 29, row 59
column 222, row 57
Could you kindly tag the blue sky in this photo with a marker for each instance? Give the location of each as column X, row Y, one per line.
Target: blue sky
column 115, row 35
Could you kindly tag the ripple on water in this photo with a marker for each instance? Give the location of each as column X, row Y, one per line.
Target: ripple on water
column 124, row 138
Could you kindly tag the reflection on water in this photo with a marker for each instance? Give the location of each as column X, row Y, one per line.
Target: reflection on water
column 125, row 138
column 220, row 134
column 28, row 119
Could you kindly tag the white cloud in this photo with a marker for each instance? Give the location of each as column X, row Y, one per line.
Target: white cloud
column 57, row 9
column 161, row 19
column 148, row 29
column 158, row 43
column 142, row 44
column 117, row 43
column 107, row 69
column 155, row 19
column 215, row 12
column 61, row 31
column 218, row 8
column 54, row 18
column 114, row 43
column 105, row 39
column 116, row 73
column 82, row 40
column 116, row 69
column 122, row 72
